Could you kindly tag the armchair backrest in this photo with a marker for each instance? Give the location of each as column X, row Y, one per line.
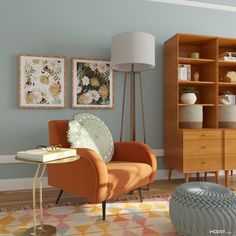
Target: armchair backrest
column 58, row 132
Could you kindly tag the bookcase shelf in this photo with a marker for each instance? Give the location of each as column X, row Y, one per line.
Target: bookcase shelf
column 226, row 84
column 192, row 61
column 223, row 63
column 197, row 83
column 196, row 104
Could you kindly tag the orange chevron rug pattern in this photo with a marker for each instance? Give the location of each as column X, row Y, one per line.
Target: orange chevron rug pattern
column 124, row 218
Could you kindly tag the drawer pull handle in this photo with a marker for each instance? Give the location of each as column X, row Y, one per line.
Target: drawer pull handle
column 203, row 162
column 203, row 147
column 203, row 135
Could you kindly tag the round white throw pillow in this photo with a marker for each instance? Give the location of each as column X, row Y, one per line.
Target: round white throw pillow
column 88, row 131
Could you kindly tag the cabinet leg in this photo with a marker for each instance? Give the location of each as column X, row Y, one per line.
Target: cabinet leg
column 186, row 177
column 198, row 176
column 226, row 178
column 217, row 177
column 232, row 172
column 205, row 176
column 169, row 174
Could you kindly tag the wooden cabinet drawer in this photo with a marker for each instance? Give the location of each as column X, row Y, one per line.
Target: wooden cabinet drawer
column 202, row 147
column 211, row 162
column 229, row 134
column 192, row 164
column 202, row 135
column 230, row 146
column 202, row 163
column 230, row 161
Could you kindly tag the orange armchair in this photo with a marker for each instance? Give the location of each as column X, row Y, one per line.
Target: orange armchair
column 133, row 166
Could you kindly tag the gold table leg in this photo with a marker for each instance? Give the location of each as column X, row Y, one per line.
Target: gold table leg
column 39, row 230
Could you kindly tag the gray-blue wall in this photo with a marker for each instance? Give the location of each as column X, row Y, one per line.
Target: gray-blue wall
column 83, row 28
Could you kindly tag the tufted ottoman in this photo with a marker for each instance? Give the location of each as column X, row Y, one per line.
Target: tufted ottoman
column 201, row 209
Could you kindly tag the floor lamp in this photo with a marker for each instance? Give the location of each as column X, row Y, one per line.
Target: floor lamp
column 132, row 53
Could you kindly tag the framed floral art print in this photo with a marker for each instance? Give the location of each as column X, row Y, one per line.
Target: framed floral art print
column 92, row 84
column 41, row 81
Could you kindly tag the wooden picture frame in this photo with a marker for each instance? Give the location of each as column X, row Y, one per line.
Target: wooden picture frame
column 92, row 84
column 42, row 81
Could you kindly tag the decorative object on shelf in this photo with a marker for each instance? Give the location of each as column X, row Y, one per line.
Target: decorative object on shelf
column 88, row 131
column 206, row 207
column 92, row 84
column 132, row 53
column 227, row 116
column 227, row 97
column 196, row 76
column 195, row 55
column 188, row 95
column 229, row 77
column 191, row 117
column 41, row 81
column 228, row 56
column 184, row 72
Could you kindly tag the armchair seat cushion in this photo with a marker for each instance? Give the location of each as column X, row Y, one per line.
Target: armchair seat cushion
column 124, row 176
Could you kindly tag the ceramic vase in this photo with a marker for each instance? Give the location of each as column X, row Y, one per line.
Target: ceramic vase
column 188, row 98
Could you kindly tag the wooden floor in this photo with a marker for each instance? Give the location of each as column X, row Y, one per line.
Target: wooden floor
column 20, row 198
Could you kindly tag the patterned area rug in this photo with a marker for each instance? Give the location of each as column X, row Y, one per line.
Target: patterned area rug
column 124, row 218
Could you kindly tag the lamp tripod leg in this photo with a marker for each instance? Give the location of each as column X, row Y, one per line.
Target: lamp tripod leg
column 132, row 106
column 123, row 109
column 142, row 105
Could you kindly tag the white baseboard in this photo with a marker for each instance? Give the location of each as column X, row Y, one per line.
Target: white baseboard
column 26, row 183
column 19, row 184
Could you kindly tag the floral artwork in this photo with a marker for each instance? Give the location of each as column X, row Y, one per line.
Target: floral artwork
column 41, row 82
column 92, row 84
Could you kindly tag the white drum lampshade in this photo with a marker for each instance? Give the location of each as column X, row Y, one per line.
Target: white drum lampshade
column 137, row 48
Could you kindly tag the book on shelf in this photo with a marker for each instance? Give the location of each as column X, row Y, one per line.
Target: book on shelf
column 228, row 56
column 42, row 155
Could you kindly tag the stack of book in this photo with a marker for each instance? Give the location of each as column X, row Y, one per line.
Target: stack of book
column 228, row 56
column 42, row 155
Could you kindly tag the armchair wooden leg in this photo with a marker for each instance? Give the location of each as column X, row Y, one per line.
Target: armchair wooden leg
column 59, row 196
column 104, row 210
column 140, row 194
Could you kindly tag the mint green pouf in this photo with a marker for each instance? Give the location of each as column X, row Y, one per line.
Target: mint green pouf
column 202, row 209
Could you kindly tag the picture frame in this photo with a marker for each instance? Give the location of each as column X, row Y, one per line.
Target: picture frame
column 92, row 84
column 42, row 81
column 184, row 72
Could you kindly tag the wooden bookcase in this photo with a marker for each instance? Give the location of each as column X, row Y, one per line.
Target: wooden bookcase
column 210, row 148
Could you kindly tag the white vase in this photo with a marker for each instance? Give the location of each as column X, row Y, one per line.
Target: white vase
column 188, row 98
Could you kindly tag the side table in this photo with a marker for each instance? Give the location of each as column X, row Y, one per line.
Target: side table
column 42, row 229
